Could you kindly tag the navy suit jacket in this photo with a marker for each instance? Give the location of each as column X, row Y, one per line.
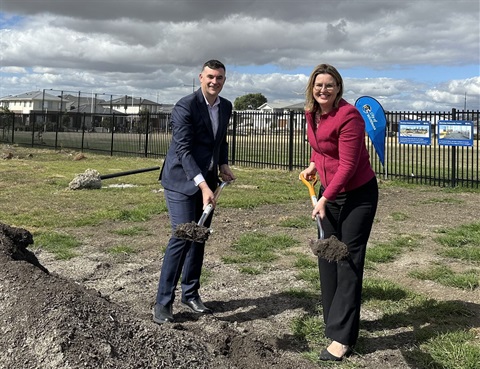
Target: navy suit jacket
column 193, row 144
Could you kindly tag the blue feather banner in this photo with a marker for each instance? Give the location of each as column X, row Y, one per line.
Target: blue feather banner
column 375, row 123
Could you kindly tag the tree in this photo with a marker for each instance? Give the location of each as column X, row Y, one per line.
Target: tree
column 4, row 110
column 6, row 118
column 249, row 101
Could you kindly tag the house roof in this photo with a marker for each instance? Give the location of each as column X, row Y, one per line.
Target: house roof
column 268, row 105
column 281, row 106
column 129, row 100
column 32, row 95
column 87, row 100
column 298, row 106
column 97, row 109
column 82, row 100
column 166, row 108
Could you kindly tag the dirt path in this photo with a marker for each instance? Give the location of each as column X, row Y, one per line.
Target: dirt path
column 95, row 310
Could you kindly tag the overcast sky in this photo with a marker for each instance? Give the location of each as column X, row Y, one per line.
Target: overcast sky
column 409, row 54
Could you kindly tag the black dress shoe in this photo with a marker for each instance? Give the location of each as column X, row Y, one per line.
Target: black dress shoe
column 162, row 314
column 196, row 305
column 325, row 355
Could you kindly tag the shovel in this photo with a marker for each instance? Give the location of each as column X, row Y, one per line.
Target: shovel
column 91, row 178
column 331, row 249
column 197, row 232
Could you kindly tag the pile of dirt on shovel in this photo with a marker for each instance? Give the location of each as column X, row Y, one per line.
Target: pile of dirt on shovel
column 52, row 322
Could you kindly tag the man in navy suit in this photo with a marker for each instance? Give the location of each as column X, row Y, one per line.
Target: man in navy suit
column 189, row 176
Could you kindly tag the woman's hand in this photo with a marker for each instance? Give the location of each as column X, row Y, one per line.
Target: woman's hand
column 310, row 172
column 320, row 208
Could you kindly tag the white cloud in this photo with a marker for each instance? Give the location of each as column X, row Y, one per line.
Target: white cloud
column 12, row 70
column 155, row 48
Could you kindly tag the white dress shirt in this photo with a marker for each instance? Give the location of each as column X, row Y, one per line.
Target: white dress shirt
column 213, row 112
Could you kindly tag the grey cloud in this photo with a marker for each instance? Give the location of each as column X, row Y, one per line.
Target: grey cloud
column 157, row 47
column 210, row 10
column 337, row 33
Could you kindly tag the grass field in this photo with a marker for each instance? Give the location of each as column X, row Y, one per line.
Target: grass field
column 34, row 195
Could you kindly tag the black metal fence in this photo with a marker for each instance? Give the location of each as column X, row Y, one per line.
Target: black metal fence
column 256, row 139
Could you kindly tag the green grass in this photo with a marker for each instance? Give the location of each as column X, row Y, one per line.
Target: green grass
column 311, row 277
column 310, row 328
column 298, row 222
column 399, row 216
column 61, row 245
column 258, row 248
column 441, row 330
column 455, row 350
column 379, row 290
column 389, row 251
column 402, row 307
column 462, row 242
column 301, row 293
column 121, row 250
column 468, row 280
column 130, row 231
column 431, row 334
column 434, row 333
column 247, row 269
column 269, row 186
column 303, row 261
column 445, row 200
column 44, row 179
column 307, row 267
column 205, row 276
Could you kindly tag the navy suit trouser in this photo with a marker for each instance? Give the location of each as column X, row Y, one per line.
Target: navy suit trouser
column 349, row 218
column 182, row 258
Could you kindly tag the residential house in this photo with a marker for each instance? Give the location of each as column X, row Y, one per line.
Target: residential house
column 31, row 102
column 134, row 108
column 279, row 119
column 94, row 118
column 134, row 105
column 45, row 108
column 32, row 106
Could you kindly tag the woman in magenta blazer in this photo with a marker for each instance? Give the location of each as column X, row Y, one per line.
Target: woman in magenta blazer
column 347, row 202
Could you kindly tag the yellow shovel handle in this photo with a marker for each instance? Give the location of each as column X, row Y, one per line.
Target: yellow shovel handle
column 311, row 190
column 310, row 185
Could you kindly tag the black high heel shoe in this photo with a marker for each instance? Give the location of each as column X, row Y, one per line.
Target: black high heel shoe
column 325, row 355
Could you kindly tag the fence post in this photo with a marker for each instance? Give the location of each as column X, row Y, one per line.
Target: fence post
column 146, row 134
column 290, row 142
column 83, row 129
column 59, row 116
column 234, row 136
column 13, row 127
column 33, row 131
column 453, row 176
column 111, row 143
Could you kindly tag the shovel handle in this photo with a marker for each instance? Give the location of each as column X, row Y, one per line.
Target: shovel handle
column 310, row 185
column 206, row 212
column 311, row 190
column 208, row 209
column 321, row 234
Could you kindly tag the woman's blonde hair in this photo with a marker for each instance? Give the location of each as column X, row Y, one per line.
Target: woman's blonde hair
column 311, row 104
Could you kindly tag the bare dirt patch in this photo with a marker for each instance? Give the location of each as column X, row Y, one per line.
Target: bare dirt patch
column 94, row 311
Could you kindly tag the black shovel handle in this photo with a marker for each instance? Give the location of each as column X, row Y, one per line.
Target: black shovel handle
column 128, row 172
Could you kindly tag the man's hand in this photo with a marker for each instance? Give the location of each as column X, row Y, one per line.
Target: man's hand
column 207, row 195
column 226, row 173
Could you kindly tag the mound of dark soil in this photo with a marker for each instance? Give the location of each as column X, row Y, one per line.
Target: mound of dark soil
column 52, row 322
